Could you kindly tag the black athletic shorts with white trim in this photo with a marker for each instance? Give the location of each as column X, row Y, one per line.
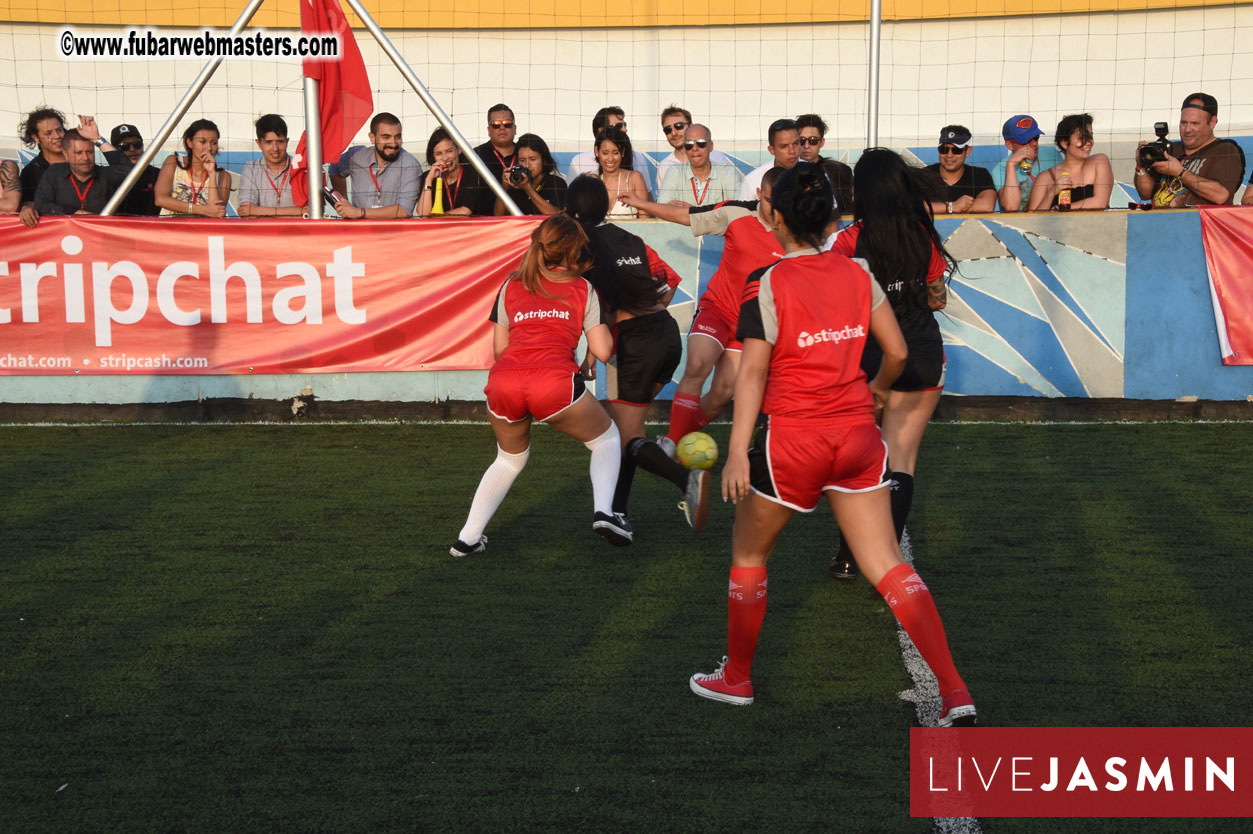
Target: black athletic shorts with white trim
column 924, row 368
column 648, row 351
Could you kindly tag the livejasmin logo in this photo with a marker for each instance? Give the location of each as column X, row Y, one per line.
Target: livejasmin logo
column 1080, row 772
column 806, row 339
column 1024, row 774
column 294, row 303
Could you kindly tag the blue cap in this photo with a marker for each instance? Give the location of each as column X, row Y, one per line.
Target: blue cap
column 1021, row 129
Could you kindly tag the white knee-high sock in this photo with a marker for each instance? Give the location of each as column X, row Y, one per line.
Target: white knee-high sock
column 492, row 490
column 606, row 458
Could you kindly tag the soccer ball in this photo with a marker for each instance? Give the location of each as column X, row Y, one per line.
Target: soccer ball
column 696, row 450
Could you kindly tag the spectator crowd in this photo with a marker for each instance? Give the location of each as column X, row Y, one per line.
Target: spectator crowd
column 383, row 180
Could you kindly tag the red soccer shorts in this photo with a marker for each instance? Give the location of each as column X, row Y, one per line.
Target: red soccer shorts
column 712, row 323
column 514, row 394
column 794, row 461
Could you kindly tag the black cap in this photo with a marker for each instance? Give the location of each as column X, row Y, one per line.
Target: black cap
column 955, row 135
column 124, row 132
column 1201, row 101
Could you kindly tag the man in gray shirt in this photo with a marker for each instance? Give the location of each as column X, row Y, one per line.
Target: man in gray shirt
column 386, row 179
column 265, row 183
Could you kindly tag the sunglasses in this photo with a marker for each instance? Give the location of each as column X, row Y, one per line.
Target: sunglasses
column 783, row 124
column 951, row 150
column 811, row 140
column 695, row 143
column 668, row 129
column 130, row 146
column 500, row 125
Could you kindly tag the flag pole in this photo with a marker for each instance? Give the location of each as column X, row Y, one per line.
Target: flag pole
column 189, row 98
column 418, row 87
column 313, row 148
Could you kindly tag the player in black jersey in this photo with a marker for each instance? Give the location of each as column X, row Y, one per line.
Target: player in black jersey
column 636, row 285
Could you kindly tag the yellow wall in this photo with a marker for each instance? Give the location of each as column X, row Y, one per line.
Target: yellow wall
column 542, row 14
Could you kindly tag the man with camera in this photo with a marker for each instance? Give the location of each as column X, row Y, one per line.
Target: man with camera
column 1198, row 170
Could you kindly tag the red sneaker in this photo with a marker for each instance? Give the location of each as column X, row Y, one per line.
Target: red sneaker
column 715, row 687
column 958, row 710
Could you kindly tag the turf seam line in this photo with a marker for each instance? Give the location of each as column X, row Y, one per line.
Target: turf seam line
column 925, row 696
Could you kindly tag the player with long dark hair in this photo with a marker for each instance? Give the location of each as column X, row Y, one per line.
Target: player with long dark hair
column 539, row 315
column 804, row 323
column 636, row 285
column 894, row 232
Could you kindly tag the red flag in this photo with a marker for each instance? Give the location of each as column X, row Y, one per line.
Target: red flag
column 344, row 96
column 1228, row 235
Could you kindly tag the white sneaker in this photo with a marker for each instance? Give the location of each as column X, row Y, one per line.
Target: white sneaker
column 667, row 446
column 695, row 503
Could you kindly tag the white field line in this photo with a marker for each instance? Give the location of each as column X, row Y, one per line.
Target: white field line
column 925, row 696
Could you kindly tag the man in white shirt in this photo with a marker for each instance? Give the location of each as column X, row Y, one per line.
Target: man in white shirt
column 784, row 143
column 585, row 163
column 674, row 123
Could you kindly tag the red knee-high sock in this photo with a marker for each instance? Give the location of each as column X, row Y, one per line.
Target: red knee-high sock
column 914, row 608
column 684, row 414
column 746, row 608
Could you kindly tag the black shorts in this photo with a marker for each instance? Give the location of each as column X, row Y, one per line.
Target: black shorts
column 648, row 351
column 924, row 368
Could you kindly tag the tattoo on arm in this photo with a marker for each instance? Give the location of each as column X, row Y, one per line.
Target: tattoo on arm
column 8, row 175
column 937, row 295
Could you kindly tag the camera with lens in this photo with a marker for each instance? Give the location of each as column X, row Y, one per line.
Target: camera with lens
column 518, row 174
column 1156, row 150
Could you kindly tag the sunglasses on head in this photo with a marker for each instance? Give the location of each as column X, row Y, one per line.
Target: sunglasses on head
column 130, row 146
column 811, row 140
column 951, row 150
column 783, row 124
column 499, row 125
column 668, row 129
column 695, row 143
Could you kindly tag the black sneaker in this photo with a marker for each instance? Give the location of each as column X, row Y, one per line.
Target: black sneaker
column 695, row 503
column 463, row 549
column 614, row 529
column 841, row 569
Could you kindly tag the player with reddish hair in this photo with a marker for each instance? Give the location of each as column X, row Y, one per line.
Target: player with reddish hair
column 804, row 323
column 539, row 316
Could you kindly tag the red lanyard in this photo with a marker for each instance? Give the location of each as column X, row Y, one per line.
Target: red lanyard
column 195, row 192
column 278, row 189
column 377, row 188
column 512, row 160
column 700, row 198
column 82, row 195
column 452, row 197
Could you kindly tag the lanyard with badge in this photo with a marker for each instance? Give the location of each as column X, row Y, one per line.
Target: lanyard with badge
column 700, row 198
column 278, row 189
column 82, row 195
column 378, row 189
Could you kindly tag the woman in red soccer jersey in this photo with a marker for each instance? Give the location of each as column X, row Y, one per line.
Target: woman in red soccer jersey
column 804, row 323
column 895, row 234
column 539, row 315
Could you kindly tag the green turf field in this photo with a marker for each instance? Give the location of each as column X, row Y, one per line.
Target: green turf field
column 259, row 629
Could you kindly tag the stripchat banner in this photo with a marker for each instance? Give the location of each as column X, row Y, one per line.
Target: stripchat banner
column 104, row 295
